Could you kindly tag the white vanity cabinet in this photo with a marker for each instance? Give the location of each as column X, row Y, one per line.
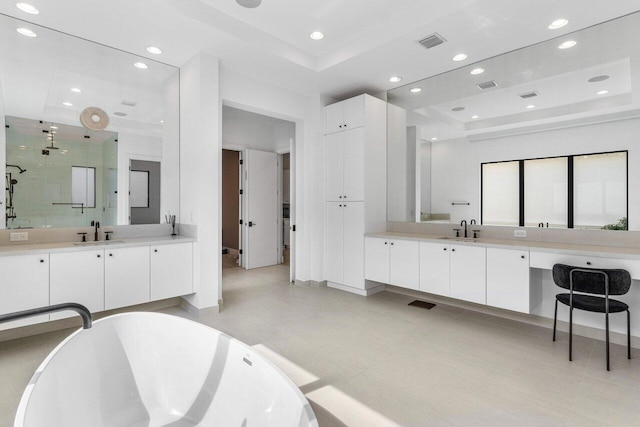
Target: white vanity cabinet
column 355, row 188
column 77, row 277
column 345, row 115
column 434, row 268
column 508, row 279
column 344, row 244
column 344, row 171
column 468, row 273
column 25, row 285
column 171, row 270
column 126, row 276
column 392, row 261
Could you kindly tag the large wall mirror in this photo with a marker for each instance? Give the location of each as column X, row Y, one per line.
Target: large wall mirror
column 542, row 136
column 61, row 173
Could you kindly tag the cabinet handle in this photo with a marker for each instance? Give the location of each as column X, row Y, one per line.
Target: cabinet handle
column 385, row 243
column 110, row 254
column 392, row 243
column 155, row 250
column 453, row 250
column 99, row 256
column 588, row 262
column 522, row 256
column 345, row 196
column 444, row 249
column 41, row 260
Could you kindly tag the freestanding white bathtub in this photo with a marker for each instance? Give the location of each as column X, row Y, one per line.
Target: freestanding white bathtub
column 150, row 369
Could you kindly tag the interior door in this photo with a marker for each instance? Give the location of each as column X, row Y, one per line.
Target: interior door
column 261, row 219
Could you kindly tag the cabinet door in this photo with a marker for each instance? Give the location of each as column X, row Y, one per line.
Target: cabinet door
column 376, row 259
column 434, row 268
column 333, row 118
column 334, row 242
column 353, row 112
column 353, row 263
column 405, row 264
column 508, row 279
column 171, row 270
column 468, row 273
column 77, row 277
column 25, row 285
column 353, row 149
column 126, row 277
column 334, row 167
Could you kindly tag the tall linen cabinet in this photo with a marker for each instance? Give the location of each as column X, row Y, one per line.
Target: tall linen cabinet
column 355, row 145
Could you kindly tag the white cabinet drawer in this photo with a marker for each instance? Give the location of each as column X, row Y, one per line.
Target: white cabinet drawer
column 546, row 260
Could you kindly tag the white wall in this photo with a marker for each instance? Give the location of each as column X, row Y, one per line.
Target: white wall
column 456, row 163
column 200, row 172
column 243, row 129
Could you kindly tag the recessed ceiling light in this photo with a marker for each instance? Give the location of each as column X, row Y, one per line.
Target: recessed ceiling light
column 317, row 35
column 602, row 92
column 475, row 117
column 477, row 71
column 141, row 65
column 53, row 127
column 75, row 89
column 26, row 32
column 67, row 104
column 415, row 89
column 434, row 139
column 568, row 44
column 26, row 7
column 530, row 106
column 395, row 79
column 22, row 147
column 460, row 57
column 558, row 23
column 154, row 50
column 161, row 121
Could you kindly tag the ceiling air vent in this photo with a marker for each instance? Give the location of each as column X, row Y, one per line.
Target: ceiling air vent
column 432, row 41
column 528, row 95
column 129, row 103
column 487, row 85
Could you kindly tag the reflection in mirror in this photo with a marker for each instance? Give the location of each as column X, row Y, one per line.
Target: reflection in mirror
column 58, row 175
column 49, row 80
column 538, row 102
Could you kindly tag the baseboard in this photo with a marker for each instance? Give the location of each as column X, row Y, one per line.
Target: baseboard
column 199, row 312
column 363, row 292
column 531, row 319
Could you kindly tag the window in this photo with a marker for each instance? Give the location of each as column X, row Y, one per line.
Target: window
column 83, row 186
column 577, row 191
column 500, row 189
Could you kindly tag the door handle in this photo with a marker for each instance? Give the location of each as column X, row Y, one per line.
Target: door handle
column 251, row 224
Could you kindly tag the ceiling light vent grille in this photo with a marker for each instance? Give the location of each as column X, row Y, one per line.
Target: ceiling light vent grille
column 528, row 95
column 487, row 85
column 433, row 40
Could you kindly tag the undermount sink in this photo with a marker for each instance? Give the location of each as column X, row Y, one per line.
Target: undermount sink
column 458, row 239
column 99, row 243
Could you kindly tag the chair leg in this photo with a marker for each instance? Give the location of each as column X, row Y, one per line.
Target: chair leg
column 555, row 318
column 628, row 335
column 606, row 315
column 570, row 334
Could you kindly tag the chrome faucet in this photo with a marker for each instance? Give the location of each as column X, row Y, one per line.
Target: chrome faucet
column 464, row 223
column 97, row 226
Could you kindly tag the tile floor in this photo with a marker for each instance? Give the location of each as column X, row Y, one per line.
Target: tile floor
column 377, row 362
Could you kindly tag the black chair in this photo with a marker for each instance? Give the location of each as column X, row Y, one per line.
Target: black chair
column 595, row 282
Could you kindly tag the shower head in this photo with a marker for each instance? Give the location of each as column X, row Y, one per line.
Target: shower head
column 22, row 171
column 19, row 168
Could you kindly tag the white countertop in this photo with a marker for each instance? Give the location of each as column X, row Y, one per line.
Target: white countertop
column 40, row 248
column 565, row 248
